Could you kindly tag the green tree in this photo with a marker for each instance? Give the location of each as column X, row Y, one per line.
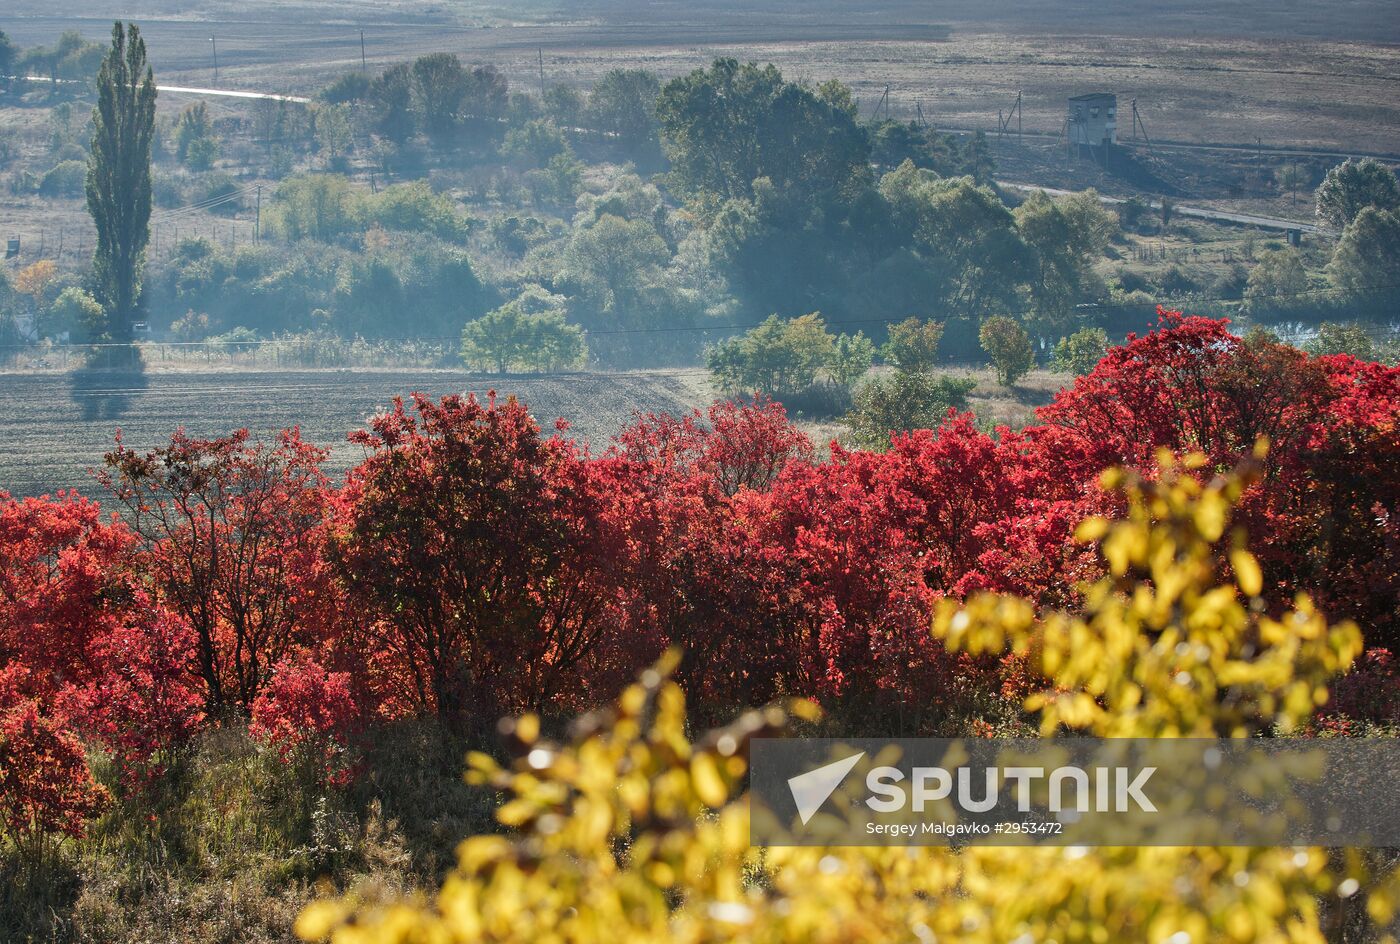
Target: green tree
column 64, row 179
column 535, row 143
column 1352, row 186
column 350, row 87
column 413, row 208
column 333, row 135
column 563, row 105
column 119, row 177
column 1065, row 239
column 851, row 356
column 903, row 401
column 777, row 357
column 1291, row 178
column 559, row 182
column 623, row 103
column 75, row 312
column 1333, row 338
column 1366, row 261
column 1081, row 352
column 913, row 345
column 9, row 55
column 9, row 311
column 1276, row 282
column 195, row 143
column 527, row 333
column 391, row 103
column 967, row 233
column 71, row 59
column 894, row 142
column 613, row 261
column 1009, row 347
column 440, row 87
column 313, row 206
column 726, row 126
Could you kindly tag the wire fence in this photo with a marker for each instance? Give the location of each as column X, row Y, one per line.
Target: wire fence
column 75, row 245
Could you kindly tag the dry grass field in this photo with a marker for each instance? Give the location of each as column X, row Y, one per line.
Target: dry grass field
column 1289, row 74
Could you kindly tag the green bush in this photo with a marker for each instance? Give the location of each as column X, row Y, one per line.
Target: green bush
column 527, row 333
column 64, row 179
column 777, row 358
column 903, row 401
column 1079, row 353
column 913, row 344
column 1333, row 338
column 1009, row 347
column 75, row 312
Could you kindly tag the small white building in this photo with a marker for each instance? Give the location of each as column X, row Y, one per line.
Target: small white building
column 1092, row 120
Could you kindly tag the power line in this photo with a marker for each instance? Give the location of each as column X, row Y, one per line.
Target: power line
column 1094, row 309
column 205, row 204
column 207, row 201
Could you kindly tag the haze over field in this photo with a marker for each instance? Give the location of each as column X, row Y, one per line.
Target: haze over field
column 1369, row 20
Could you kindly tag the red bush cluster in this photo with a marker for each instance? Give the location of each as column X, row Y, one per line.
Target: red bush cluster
column 310, row 715
column 472, row 565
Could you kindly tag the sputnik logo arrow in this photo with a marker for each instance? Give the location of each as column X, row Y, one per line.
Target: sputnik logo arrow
column 811, row 790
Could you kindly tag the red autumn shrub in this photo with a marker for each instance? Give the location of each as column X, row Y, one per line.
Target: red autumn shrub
column 820, row 580
column 142, row 703
column 472, row 566
column 1322, row 518
column 1370, row 691
column 735, row 445
column 478, row 552
column 63, row 582
column 231, row 531
column 46, row 790
column 309, row 715
column 81, row 643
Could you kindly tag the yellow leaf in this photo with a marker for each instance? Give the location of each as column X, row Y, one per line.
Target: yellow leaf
column 705, row 777
column 1247, row 572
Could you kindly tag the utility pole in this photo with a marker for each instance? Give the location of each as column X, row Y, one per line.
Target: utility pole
column 215, row 46
column 363, row 67
column 541, row 52
column 257, row 215
column 883, row 102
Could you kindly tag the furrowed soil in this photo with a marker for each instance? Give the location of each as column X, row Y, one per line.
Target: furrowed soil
column 55, row 427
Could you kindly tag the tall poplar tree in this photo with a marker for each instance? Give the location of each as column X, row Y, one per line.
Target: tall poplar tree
column 119, row 177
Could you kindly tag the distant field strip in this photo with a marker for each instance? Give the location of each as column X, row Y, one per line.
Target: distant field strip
column 56, row 426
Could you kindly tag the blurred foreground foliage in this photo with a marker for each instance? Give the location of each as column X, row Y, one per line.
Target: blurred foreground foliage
column 630, row 831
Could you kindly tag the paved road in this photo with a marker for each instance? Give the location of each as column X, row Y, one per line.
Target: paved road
column 1202, row 213
column 181, row 90
column 229, row 93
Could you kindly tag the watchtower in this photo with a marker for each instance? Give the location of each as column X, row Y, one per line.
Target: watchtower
column 1092, row 121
